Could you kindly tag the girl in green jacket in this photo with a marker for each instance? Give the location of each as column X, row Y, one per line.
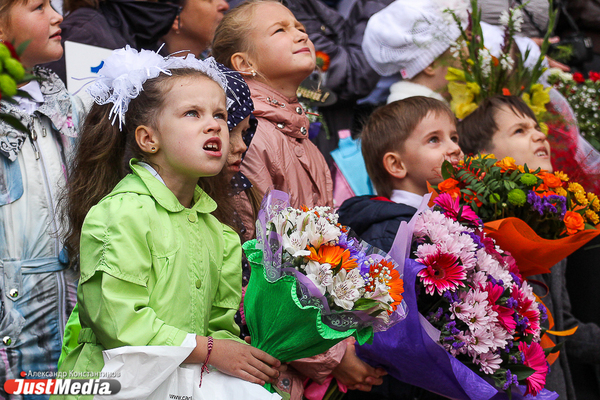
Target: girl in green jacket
column 156, row 266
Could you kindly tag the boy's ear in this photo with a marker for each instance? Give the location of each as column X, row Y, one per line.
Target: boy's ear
column 430, row 69
column 175, row 26
column 146, row 139
column 392, row 162
column 240, row 62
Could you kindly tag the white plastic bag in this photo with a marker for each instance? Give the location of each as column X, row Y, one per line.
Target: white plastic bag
column 156, row 373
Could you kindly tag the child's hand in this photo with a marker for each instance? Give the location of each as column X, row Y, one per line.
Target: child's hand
column 244, row 361
column 355, row 373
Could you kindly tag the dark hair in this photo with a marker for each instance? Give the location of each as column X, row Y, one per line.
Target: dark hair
column 388, row 128
column 475, row 132
column 103, row 152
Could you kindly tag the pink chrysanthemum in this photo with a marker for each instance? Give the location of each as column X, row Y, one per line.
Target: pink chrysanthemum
column 453, row 209
column 535, row 359
column 442, row 272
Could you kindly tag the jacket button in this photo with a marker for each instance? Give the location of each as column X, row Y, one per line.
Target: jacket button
column 192, row 217
column 198, row 284
column 303, row 130
column 7, row 340
column 280, row 125
column 299, row 151
column 323, row 28
column 14, row 293
column 299, row 110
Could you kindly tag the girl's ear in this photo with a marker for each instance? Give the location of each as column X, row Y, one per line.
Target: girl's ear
column 392, row 162
column 176, row 24
column 147, row 139
column 240, row 62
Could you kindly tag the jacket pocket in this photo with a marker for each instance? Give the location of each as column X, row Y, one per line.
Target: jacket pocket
column 11, row 182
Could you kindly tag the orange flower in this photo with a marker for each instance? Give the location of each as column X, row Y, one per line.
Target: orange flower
column 551, row 180
column 573, row 222
column 507, row 164
column 449, row 186
column 396, row 285
column 322, row 60
column 505, row 92
column 333, row 255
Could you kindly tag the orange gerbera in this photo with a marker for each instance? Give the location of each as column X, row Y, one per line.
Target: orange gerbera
column 396, row 285
column 507, row 164
column 333, row 255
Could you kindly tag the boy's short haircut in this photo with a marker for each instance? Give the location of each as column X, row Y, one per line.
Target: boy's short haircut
column 475, row 132
column 388, row 128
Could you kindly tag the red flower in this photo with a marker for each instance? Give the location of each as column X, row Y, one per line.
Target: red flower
column 441, row 272
column 578, row 77
column 535, row 359
column 12, row 50
column 505, row 92
column 322, row 60
column 594, row 76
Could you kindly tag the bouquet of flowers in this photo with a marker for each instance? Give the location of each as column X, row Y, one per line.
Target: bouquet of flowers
column 313, row 285
column 583, row 97
column 483, row 75
column 477, row 333
column 534, row 205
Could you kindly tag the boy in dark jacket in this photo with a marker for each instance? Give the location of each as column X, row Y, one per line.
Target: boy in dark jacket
column 404, row 145
column 506, row 126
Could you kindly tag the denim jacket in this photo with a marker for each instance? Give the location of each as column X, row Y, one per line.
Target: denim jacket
column 37, row 289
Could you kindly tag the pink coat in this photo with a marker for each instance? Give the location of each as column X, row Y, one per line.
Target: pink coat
column 282, row 157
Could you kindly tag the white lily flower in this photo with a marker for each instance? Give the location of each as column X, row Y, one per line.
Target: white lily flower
column 320, row 274
column 295, row 244
column 345, row 288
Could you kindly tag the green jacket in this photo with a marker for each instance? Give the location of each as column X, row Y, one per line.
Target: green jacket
column 153, row 271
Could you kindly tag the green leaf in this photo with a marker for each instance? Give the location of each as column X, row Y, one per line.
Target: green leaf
column 21, row 48
column 554, row 349
column 365, row 304
column 14, row 122
column 521, row 371
column 447, row 170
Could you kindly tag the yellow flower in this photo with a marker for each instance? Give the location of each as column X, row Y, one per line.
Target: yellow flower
column 563, row 177
column 575, row 187
column 470, row 62
column 537, row 98
column 594, row 202
column 560, row 191
column 455, row 74
column 544, row 128
column 581, row 199
column 464, row 109
column 592, row 217
column 463, row 96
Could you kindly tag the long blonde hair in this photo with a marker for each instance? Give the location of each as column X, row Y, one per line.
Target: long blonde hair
column 232, row 33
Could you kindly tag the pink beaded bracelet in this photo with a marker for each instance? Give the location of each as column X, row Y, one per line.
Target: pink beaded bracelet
column 205, row 365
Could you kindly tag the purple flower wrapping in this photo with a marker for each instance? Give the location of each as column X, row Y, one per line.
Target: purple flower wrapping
column 408, row 353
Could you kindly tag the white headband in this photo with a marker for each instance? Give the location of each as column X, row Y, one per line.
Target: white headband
column 124, row 72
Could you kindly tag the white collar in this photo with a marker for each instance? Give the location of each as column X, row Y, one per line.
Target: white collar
column 404, row 89
column 408, row 198
column 152, row 171
column 33, row 89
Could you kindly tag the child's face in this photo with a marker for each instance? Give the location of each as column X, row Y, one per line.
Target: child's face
column 433, row 141
column 37, row 22
column 199, row 19
column 282, row 50
column 192, row 133
column 237, row 147
column 520, row 137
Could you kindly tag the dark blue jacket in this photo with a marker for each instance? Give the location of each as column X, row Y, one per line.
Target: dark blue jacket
column 375, row 219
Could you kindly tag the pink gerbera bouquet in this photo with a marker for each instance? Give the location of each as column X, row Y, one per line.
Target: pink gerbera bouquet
column 487, row 314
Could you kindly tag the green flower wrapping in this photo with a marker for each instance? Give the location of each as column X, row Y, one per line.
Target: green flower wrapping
column 281, row 326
